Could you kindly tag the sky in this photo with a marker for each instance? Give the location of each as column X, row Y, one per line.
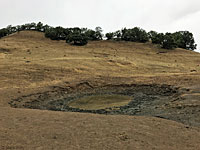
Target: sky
column 111, row 15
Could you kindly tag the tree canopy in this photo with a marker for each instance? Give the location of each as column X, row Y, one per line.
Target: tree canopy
column 184, row 39
column 81, row 36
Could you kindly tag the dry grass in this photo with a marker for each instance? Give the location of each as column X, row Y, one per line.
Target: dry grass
column 30, row 63
column 33, row 56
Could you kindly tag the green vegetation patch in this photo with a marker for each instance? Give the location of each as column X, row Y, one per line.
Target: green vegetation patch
column 97, row 102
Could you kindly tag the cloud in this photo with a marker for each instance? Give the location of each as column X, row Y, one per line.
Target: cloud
column 190, row 23
column 187, row 8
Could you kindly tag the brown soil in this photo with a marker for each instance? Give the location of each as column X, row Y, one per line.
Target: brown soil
column 33, row 65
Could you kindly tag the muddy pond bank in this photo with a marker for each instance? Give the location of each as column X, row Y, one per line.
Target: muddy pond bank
column 145, row 100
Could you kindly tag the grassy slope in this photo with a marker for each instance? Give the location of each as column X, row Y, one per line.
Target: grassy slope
column 38, row 60
column 30, row 63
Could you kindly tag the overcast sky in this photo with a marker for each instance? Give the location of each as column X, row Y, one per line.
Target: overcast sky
column 111, row 15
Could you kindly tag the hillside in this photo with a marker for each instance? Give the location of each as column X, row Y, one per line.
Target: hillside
column 34, row 68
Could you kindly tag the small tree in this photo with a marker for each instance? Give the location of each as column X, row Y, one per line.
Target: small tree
column 9, row 29
column 142, row 36
column 158, row 39
column 168, row 41
column 39, row 26
column 153, row 36
column 51, row 33
column 77, row 38
column 60, row 33
column 135, row 35
column 110, row 36
column 23, row 27
column 98, row 33
column 125, row 34
column 30, row 26
column 18, row 27
column 91, row 34
column 3, row 32
column 45, row 28
column 117, row 35
column 185, row 39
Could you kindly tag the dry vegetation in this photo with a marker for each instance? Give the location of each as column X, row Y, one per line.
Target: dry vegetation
column 30, row 63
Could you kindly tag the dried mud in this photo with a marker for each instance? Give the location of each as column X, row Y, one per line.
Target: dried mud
column 147, row 100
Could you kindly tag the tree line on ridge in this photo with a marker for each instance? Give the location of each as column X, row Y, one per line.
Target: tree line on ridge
column 81, row 36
